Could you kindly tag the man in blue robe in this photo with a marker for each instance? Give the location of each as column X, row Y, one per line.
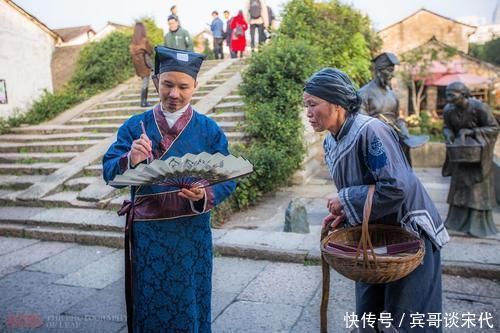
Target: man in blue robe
column 168, row 240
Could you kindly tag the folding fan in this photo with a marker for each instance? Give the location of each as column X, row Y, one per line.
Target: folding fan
column 187, row 171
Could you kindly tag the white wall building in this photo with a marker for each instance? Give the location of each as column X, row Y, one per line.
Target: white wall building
column 109, row 28
column 26, row 49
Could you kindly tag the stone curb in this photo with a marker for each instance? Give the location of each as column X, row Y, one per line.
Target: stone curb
column 255, row 252
column 260, row 253
column 468, row 270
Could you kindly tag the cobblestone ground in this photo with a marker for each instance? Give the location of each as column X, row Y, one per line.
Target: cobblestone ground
column 66, row 287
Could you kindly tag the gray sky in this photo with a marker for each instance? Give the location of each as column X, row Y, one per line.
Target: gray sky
column 194, row 14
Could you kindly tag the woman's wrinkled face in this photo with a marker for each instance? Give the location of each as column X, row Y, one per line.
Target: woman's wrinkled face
column 322, row 115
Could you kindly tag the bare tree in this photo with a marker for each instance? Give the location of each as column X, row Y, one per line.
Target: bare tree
column 415, row 69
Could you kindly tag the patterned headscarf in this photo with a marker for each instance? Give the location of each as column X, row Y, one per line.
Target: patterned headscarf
column 334, row 86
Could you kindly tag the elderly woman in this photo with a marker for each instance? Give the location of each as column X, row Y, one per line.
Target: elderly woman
column 362, row 151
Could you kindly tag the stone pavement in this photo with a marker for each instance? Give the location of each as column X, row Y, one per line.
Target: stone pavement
column 67, row 287
column 257, row 232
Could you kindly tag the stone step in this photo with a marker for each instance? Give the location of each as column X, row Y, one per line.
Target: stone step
column 47, row 146
column 77, row 218
column 29, row 169
column 111, row 120
column 94, row 170
column 54, row 137
column 98, row 238
column 229, row 106
column 79, row 183
column 126, row 109
column 116, row 203
column 229, row 126
column 236, row 136
column 47, row 129
column 135, row 94
column 223, row 76
column 207, row 87
column 228, row 116
column 96, row 191
column 29, row 158
column 102, row 128
column 120, row 101
column 232, row 98
column 18, row 182
column 217, row 81
column 122, row 111
column 68, row 199
column 229, row 72
column 60, row 129
column 124, row 102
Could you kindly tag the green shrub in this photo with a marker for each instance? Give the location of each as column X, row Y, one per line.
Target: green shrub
column 489, row 51
column 342, row 33
column 430, row 126
column 272, row 89
column 104, row 64
column 207, row 51
column 155, row 33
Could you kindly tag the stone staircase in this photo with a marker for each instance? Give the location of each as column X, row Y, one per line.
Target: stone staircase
column 51, row 173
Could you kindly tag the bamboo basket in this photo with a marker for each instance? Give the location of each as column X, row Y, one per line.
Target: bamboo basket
column 365, row 265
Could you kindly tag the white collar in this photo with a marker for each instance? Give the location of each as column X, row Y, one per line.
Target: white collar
column 172, row 117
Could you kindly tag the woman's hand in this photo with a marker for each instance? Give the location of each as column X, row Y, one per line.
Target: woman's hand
column 193, row 193
column 332, row 221
column 334, row 206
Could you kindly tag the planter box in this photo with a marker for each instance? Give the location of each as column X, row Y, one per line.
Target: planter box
column 432, row 154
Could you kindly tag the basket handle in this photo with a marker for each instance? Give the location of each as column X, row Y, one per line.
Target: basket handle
column 365, row 242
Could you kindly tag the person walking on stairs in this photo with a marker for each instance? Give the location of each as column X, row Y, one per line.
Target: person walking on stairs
column 141, row 51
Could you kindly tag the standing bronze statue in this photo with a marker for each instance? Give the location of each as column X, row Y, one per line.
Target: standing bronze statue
column 380, row 101
column 470, row 132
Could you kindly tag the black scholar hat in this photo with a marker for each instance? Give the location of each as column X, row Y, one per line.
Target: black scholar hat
column 172, row 60
column 385, row 59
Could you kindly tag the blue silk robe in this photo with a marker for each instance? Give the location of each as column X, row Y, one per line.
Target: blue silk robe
column 170, row 242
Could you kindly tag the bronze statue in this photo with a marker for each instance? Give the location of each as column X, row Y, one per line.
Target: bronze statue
column 381, row 102
column 470, row 132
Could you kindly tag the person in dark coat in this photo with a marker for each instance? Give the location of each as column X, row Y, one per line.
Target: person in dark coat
column 471, row 197
column 229, row 32
column 177, row 37
column 217, row 28
column 141, row 51
column 238, row 39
